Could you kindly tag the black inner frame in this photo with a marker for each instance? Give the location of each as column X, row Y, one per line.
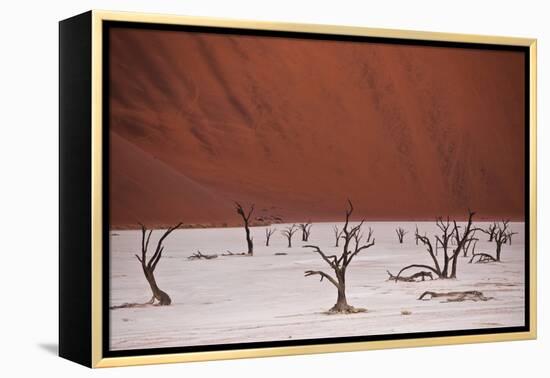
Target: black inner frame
column 108, row 25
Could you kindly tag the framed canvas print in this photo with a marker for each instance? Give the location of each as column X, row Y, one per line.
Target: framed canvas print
column 235, row 189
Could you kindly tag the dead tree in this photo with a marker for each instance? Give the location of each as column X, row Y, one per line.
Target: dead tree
column 413, row 278
column 461, row 240
column 400, row 234
column 455, row 296
column 246, row 220
column 229, row 253
column 416, row 234
column 454, row 237
column 482, row 258
column 289, row 233
column 448, row 230
column 500, row 237
column 509, row 236
column 468, row 244
column 306, row 230
column 337, row 235
column 490, row 231
column 148, row 265
column 359, row 236
column 199, row 255
column 464, row 246
column 351, row 235
column 268, row 233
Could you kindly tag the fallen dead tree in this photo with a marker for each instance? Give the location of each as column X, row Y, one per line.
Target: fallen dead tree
column 455, row 296
column 419, row 276
column 199, row 255
column 229, row 253
column 130, row 305
column 482, row 258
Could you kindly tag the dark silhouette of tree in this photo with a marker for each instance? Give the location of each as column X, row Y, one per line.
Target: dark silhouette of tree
column 464, row 246
column 352, row 246
column 268, row 233
column 246, row 221
column 455, row 296
column 148, row 265
column 412, row 278
column 201, row 256
column 337, row 235
column 400, row 234
column 509, row 236
column 289, row 233
column 501, row 237
column 448, row 230
column 461, row 240
column 481, row 257
column 306, row 230
column 469, row 244
column 490, row 231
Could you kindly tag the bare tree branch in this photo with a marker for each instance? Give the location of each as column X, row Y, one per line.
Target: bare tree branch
column 289, row 233
column 353, row 239
column 449, row 231
column 322, row 274
column 401, row 234
column 306, row 230
column 337, row 235
column 246, row 218
column 268, row 233
column 148, row 266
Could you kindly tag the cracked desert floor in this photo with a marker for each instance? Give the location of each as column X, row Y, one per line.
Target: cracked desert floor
column 266, row 297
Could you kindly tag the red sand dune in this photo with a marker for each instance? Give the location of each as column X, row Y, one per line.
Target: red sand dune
column 147, row 189
column 297, row 126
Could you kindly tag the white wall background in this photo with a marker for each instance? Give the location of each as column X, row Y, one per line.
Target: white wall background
column 29, row 174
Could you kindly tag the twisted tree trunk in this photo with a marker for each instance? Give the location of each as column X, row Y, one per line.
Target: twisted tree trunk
column 450, row 260
column 268, row 233
column 148, row 266
column 246, row 221
column 249, row 243
column 501, row 237
column 341, row 302
column 288, row 233
column 352, row 237
column 499, row 250
column 161, row 296
column 400, row 234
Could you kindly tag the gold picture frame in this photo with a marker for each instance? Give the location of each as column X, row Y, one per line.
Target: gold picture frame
column 93, row 25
